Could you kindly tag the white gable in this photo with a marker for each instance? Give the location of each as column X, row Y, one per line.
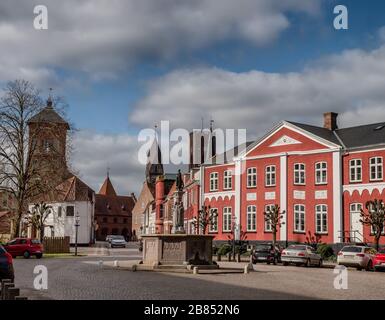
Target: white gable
column 284, row 141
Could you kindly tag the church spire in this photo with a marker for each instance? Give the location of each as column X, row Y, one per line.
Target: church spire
column 107, row 188
column 154, row 167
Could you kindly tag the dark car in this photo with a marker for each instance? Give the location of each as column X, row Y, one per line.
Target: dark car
column 266, row 253
column 25, row 247
column 6, row 265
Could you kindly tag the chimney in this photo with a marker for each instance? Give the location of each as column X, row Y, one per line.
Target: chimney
column 330, row 120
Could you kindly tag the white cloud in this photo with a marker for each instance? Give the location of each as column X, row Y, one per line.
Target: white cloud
column 103, row 37
column 351, row 83
column 95, row 152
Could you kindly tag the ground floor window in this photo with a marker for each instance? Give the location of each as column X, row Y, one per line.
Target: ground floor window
column 227, row 219
column 321, row 212
column 299, row 218
column 251, row 218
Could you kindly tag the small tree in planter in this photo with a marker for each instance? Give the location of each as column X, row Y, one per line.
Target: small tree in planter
column 313, row 240
column 273, row 216
column 374, row 216
column 38, row 216
column 206, row 217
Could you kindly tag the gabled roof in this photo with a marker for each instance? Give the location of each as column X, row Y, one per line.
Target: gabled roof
column 363, row 136
column 113, row 205
column 318, row 131
column 107, row 188
column 228, row 155
column 70, row 190
column 48, row 115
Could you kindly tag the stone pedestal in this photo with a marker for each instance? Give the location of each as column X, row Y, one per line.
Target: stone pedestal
column 177, row 250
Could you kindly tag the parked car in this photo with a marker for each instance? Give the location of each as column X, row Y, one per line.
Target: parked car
column 360, row 257
column 301, row 255
column 6, row 265
column 379, row 260
column 25, row 247
column 117, row 241
column 266, row 253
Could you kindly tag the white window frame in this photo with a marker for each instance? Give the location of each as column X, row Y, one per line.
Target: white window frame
column 300, row 211
column 299, row 174
column 227, row 180
column 354, row 169
column 270, row 176
column 321, row 173
column 214, row 181
column 267, row 225
column 214, row 227
column 378, row 167
column 226, row 219
column 251, row 177
column 251, row 223
column 321, row 215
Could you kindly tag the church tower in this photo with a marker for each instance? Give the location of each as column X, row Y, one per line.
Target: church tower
column 48, row 144
column 154, row 166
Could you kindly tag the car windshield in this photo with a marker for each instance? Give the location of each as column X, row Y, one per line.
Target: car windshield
column 35, row 241
column 262, row 248
column 296, row 247
column 351, row 249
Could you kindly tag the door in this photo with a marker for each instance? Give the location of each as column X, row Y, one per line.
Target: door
column 356, row 227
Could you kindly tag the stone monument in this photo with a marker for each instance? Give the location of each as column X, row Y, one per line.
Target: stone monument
column 178, row 249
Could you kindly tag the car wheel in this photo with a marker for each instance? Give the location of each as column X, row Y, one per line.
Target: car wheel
column 307, row 264
column 359, row 268
column 369, row 267
column 285, row 264
column 39, row 256
column 26, row 255
column 268, row 262
column 320, row 262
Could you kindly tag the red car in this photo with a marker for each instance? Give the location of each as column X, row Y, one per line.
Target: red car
column 25, row 247
column 379, row 260
column 6, row 265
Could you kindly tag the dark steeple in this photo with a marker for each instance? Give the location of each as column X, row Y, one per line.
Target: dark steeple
column 154, row 167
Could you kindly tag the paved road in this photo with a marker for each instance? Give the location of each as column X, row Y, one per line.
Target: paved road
column 84, row 278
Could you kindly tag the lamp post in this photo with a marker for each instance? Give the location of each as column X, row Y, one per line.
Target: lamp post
column 77, row 221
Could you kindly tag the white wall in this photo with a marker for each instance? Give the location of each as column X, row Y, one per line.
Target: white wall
column 65, row 226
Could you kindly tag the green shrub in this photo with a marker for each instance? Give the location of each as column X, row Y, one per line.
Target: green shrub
column 325, row 251
column 224, row 249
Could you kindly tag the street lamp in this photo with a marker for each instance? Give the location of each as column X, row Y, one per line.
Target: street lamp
column 77, row 221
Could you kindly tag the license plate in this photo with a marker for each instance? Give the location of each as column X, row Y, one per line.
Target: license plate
column 348, row 256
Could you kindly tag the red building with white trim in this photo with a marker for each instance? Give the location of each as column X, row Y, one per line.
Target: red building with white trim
column 321, row 177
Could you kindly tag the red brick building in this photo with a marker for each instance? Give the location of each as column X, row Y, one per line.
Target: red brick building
column 113, row 213
column 321, row 177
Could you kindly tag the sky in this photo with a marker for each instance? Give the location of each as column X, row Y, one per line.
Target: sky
column 125, row 65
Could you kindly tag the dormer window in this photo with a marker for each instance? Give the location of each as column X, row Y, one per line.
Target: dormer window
column 123, row 207
column 108, row 206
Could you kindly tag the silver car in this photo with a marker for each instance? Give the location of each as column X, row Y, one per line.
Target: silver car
column 117, row 241
column 360, row 257
column 301, row 255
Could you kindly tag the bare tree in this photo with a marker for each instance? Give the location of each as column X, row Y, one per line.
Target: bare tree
column 38, row 217
column 273, row 217
column 206, row 217
column 375, row 218
column 21, row 170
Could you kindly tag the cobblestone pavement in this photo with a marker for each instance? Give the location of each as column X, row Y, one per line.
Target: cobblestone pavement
column 84, row 278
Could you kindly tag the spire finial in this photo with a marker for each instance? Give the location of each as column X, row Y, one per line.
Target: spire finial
column 108, row 172
column 49, row 100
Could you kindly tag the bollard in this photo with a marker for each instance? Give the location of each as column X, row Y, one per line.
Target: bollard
column 5, row 295
column 238, row 257
column 246, row 269
column 13, row 293
column 195, row 270
column 3, row 282
column 116, row 263
column 229, row 256
column 219, row 257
